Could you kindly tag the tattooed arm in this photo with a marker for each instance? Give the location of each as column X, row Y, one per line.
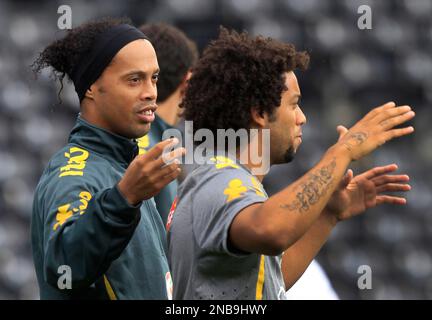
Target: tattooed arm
column 291, row 212
column 274, row 226
column 309, row 192
column 353, row 196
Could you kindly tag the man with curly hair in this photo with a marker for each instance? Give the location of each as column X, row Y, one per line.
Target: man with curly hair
column 96, row 233
column 227, row 238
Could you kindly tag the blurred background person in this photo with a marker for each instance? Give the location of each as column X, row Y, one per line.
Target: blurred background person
column 176, row 55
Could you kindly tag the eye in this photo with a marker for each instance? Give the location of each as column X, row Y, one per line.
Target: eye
column 155, row 77
column 297, row 102
column 134, row 80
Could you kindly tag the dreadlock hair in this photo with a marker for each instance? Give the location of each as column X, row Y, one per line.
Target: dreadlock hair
column 64, row 54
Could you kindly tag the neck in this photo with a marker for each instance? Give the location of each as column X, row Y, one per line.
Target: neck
column 256, row 156
column 250, row 165
column 88, row 113
column 169, row 110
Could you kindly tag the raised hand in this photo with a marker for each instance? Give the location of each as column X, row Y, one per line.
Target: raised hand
column 150, row 172
column 369, row 189
column 375, row 129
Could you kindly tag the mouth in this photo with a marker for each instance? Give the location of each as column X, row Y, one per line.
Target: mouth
column 146, row 114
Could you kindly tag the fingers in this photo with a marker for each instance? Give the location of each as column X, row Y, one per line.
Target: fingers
column 158, row 148
column 390, row 200
column 168, row 178
column 167, row 158
column 379, row 109
column 377, row 171
column 390, row 118
column 370, row 196
column 156, row 158
column 378, row 181
column 348, row 176
column 346, row 179
column 168, row 169
column 397, row 120
column 390, row 113
column 342, row 131
column 396, row 133
column 165, row 176
column 393, row 187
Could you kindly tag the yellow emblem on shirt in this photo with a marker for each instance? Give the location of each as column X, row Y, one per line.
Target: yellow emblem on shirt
column 76, row 163
column 223, row 162
column 235, row 189
column 64, row 212
column 143, row 144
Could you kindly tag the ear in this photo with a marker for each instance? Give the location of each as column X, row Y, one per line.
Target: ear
column 258, row 120
column 184, row 83
column 90, row 92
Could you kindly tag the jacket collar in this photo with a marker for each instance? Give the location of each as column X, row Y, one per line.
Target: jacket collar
column 107, row 144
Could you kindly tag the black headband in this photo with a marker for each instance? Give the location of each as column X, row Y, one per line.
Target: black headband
column 106, row 46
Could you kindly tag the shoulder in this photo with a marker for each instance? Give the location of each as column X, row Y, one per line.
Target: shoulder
column 74, row 167
column 75, row 160
column 222, row 179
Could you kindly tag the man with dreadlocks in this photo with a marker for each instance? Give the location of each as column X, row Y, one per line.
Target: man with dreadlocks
column 95, row 230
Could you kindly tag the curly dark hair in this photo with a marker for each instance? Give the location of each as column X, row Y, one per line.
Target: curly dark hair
column 63, row 54
column 235, row 73
column 176, row 55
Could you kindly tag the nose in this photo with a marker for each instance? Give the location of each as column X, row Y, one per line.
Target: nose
column 149, row 91
column 301, row 118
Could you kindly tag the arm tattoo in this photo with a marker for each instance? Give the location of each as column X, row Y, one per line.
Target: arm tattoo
column 313, row 189
column 355, row 139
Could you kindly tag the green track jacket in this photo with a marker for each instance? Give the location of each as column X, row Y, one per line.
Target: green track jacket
column 87, row 241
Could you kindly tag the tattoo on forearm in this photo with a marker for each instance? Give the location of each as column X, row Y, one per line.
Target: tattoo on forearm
column 313, row 189
column 355, row 139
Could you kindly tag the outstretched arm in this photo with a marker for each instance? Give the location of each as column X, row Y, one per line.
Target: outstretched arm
column 272, row 227
column 353, row 196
